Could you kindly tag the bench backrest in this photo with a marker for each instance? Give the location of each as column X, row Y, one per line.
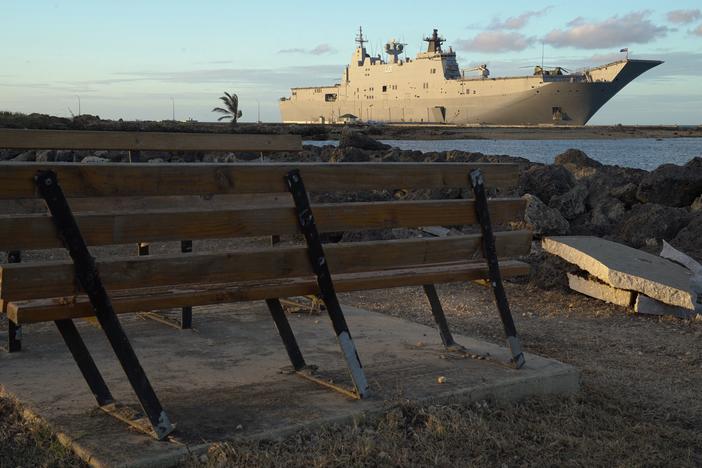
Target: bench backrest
column 131, row 203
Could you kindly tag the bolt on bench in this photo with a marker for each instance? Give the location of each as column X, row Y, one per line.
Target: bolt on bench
column 61, row 291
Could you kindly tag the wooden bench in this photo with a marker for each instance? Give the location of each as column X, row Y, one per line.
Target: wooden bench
column 135, row 143
column 61, row 291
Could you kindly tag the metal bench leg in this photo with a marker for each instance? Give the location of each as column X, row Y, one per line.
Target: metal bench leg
column 325, row 283
column 483, row 214
column 186, row 313
column 89, row 279
column 85, row 362
column 14, row 331
column 439, row 317
column 286, row 334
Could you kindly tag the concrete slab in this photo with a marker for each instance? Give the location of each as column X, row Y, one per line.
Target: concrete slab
column 626, row 268
column 223, row 380
column 648, row 306
column 601, row 291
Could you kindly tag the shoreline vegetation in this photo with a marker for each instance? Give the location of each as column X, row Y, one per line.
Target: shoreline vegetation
column 333, row 131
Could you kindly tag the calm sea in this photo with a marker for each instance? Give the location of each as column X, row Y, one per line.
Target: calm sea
column 643, row 153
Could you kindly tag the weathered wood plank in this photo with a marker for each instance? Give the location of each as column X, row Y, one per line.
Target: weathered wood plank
column 145, row 141
column 41, row 310
column 53, row 279
column 125, row 180
column 128, row 204
column 18, row 232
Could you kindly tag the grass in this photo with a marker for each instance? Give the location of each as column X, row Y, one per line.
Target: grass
column 593, row 429
column 26, row 442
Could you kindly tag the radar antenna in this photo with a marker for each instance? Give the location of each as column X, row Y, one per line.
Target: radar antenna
column 394, row 49
column 434, row 42
column 359, row 37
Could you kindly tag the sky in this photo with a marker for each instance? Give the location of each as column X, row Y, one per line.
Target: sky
column 144, row 59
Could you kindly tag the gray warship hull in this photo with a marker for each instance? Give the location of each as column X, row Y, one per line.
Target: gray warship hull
column 430, row 90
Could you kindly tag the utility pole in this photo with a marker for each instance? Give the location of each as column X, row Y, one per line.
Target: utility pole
column 78, row 104
column 173, row 108
column 259, row 110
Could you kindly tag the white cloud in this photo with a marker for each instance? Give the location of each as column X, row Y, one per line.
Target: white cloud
column 517, row 22
column 495, row 41
column 320, row 49
column 684, row 16
column 616, row 31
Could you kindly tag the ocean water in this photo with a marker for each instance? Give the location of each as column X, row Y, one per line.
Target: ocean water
column 642, row 153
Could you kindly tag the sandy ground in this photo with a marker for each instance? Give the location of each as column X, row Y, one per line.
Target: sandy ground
column 639, row 405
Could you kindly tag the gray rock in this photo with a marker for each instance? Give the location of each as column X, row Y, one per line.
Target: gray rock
column 26, row 156
column 607, row 212
column 541, row 219
column 694, row 163
column 45, row 156
column 349, row 155
column 578, row 163
column 697, row 204
column 94, row 159
column 651, row 221
column 64, row 156
column 572, row 203
column 7, row 155
column 350, row 138
column 625, row 193
column 671, row 185
column 545, row 182
column 689, row 238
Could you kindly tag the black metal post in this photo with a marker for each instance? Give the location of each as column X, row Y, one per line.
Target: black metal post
column 85, row 362
column 186, row 313
column 286, row 333
column 439, row 316
column 14, row 331
column 318, row 262
column 490, row 251
column 89, row 279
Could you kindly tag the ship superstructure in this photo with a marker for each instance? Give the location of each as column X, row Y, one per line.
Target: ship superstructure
column 431, row 88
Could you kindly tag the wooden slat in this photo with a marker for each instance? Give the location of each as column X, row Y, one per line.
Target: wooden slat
column 41, row 310
column 52, row 279
column 127, row 204
column 123, row 180
column 21, row 232
column 145, row 141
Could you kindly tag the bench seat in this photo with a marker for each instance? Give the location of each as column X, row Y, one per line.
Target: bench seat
column 142, row 299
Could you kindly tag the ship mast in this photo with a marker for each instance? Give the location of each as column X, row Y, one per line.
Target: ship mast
column 434, row 42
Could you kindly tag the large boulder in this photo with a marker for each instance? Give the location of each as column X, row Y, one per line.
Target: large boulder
column 350, row 138
column 349, row 154
column 672, row 185
column 649, row 223
column 572, row 203
column 541, row 219
column 689, row 238
column 577, row 163
column 26, row 156
column 606, row 213
column 45, row 156
column 545, row 182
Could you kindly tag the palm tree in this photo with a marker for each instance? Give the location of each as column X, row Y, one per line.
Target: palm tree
column 231, row 108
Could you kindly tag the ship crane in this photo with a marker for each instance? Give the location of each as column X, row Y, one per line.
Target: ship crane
column 483, row 69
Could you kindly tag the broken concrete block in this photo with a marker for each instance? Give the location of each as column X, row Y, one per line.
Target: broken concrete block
column 626, row 268
column 601, row 291
column 648, row 306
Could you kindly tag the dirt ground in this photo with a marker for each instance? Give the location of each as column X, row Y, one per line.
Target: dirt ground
column 639, row 404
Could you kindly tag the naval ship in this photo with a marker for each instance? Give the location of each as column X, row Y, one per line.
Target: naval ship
column 431, row 88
